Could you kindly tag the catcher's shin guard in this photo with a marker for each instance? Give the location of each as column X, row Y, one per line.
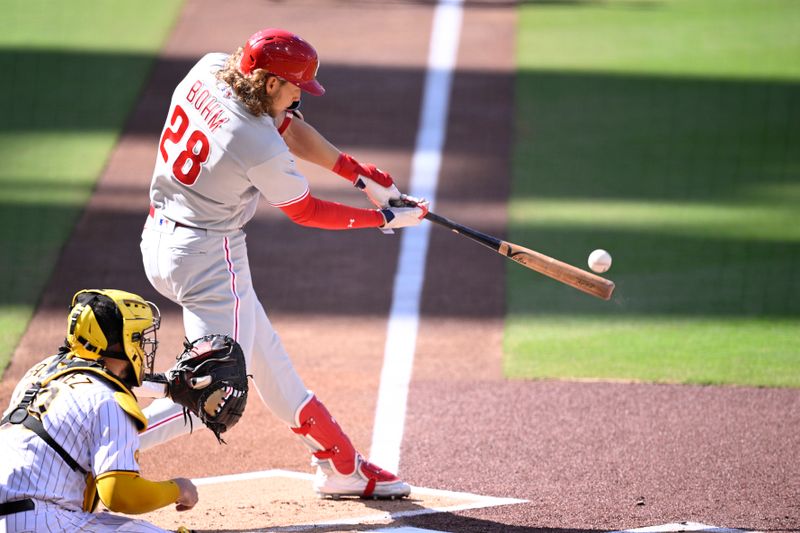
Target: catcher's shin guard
column 341, row 469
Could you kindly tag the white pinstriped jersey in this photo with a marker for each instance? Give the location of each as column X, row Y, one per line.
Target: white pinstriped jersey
column 81, row 414
column 215, row 158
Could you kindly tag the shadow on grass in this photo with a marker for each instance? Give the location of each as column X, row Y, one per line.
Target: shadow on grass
column 583, row 136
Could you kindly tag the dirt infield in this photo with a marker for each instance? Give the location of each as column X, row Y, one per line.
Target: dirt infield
column 583, row 456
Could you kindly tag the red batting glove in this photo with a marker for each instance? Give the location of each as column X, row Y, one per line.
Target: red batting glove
column 374, row 182
column 349, row 168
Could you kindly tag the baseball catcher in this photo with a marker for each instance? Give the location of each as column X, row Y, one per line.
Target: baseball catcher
column 70, row 436
column 209, row 379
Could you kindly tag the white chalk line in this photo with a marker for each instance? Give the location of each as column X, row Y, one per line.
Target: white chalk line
column 676, row 527
column 401, row 337
column 477, row 501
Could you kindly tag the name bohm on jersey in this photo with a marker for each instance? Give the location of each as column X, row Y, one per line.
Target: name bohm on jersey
column 210, row 108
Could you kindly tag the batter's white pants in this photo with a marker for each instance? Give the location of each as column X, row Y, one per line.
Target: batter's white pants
column 51, row 517
column 207, row 273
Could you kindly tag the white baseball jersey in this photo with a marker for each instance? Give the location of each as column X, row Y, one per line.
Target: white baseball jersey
column 205, row 179
column 80, row 413
column 214, row 160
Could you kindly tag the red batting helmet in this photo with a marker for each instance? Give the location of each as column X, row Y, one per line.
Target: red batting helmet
column 284, row 54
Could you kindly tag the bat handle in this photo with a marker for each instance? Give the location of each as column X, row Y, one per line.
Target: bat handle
column 489, row 241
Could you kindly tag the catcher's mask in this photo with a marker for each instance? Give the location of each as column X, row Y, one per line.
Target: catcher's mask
column 285, row 55
column 101, row 318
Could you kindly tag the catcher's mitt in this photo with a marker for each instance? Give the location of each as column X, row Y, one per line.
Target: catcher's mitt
column 210, row 380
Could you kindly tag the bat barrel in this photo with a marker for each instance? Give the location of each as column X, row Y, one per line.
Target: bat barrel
column 553, row 268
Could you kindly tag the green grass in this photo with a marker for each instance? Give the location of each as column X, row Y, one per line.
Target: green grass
column 665, row 132
column 722, row 351
column 71, row 74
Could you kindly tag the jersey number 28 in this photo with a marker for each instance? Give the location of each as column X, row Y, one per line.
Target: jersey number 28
column 189, row 162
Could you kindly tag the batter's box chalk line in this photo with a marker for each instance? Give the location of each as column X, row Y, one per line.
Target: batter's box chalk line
column 678, row 527
column 473, row 501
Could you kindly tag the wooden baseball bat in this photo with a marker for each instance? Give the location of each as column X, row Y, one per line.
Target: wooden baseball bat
column 552, row 268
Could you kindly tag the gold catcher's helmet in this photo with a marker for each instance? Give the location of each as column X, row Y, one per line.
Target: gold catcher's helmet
column 101, row 318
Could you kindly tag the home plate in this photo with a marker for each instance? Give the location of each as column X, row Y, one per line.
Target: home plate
column 280, row 500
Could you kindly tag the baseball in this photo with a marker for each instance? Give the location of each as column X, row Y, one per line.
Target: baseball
column 599, row 261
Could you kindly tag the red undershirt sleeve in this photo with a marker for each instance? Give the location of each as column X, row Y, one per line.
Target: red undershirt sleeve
column 310, row 211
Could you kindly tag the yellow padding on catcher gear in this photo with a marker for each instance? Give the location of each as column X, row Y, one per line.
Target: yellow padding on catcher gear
column 130, row 493
column 124, row 397
column 90, row 498
column 130, row 406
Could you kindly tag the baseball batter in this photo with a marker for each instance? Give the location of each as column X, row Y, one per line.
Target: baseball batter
column 231, row 136
column 69, row 438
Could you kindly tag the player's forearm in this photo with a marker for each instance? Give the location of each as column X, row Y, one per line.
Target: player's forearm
column 129, row 493
column 310, row 211
column 316, row 213
column 308, row 144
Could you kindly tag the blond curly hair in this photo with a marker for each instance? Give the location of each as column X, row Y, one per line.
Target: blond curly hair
column 250, row 89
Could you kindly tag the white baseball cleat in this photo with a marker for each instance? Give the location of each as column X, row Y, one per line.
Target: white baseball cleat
column 341, row 470
column 368, row 481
